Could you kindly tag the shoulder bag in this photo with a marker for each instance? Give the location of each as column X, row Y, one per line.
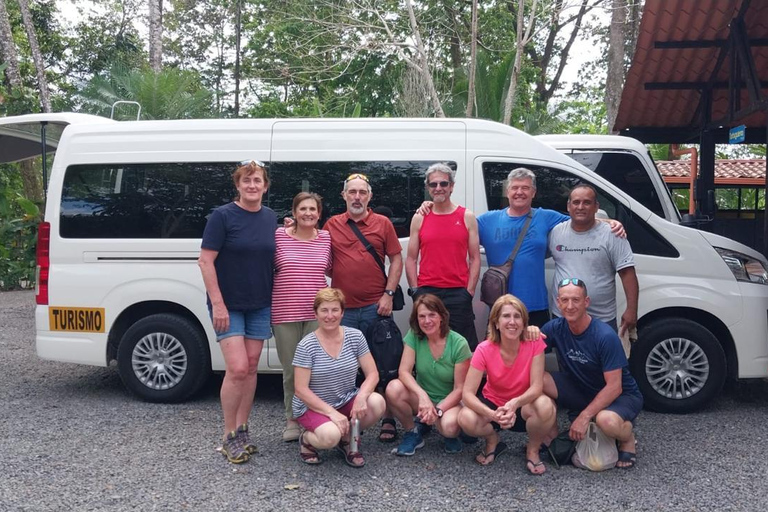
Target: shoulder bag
column 495, row 282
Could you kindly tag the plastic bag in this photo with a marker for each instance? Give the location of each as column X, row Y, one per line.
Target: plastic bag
column 597, row 451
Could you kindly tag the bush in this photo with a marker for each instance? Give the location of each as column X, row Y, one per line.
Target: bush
column 19, row 218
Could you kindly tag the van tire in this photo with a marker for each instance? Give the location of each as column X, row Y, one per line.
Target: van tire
column 678, row 364
column 163, row 358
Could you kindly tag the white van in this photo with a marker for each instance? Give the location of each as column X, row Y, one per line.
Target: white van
column 128, row 201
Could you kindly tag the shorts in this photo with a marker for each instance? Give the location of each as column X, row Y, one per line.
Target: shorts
column 519, row 425
column 310, row 420
column 572, row 396
column 253, row 324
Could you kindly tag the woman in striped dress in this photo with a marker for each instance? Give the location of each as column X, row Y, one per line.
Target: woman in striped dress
column 326, row 398
column 302, row 258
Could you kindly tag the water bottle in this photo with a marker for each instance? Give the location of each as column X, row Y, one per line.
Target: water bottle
column 354, row 436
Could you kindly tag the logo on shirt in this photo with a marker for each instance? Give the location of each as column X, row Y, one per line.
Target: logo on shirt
column 577, row 356
column 580, row 250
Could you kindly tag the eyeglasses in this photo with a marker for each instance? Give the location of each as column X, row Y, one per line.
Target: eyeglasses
column 249, row 162
column 572, row 280
column 356, row 176
column 434, row 184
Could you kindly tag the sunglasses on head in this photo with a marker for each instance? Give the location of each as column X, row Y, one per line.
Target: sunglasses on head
column 254, row 162
column 434, row 184
column 572, row 280
column 356, row 176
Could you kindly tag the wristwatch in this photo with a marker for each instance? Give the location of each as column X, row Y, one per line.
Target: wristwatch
column 391, row 293
column 439, row 412
column 411, row 291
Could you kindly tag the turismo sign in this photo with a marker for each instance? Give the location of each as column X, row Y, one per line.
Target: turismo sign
column 76, row 319
column 737, row 134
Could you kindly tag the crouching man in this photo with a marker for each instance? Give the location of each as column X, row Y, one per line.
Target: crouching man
column 594, row 381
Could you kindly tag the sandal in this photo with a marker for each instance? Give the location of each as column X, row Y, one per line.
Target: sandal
column 353, row 459
column 310, row 456
column 534, row 465
column 386, row 434
column 500, row 448
column 628, row 458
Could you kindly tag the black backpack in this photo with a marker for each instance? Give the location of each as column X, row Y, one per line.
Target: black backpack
column 386, row 344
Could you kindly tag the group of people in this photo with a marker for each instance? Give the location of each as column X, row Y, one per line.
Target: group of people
column 262, row 279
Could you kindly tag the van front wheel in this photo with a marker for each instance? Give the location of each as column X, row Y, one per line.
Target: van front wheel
column 678, row 364
column 163, row 358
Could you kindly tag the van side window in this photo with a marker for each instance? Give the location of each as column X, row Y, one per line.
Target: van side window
column 163, row 200
column 625, row 171
column 398, row 187
column 552, row 189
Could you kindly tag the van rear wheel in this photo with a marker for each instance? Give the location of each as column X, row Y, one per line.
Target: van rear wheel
column 163, row 358
column 678, row 364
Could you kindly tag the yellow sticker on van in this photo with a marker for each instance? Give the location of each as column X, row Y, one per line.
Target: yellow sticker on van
column 76, row 319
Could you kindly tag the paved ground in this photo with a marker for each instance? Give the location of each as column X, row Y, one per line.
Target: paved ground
column 72, row 439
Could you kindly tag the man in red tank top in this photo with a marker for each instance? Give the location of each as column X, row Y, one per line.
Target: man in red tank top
column 444, row 253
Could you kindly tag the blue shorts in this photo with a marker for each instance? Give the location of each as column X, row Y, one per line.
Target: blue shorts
column 360, row 318
column 253, row 324
column 572, row 396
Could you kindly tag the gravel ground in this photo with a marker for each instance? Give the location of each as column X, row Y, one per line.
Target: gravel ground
column 72, row 439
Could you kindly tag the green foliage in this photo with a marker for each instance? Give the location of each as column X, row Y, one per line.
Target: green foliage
column 18, row 233
column 169, row 94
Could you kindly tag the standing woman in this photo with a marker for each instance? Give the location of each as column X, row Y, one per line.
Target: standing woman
column 302, row 260
column 236, row 261
column 325, row 369
column 440, row 357
column 512, row 396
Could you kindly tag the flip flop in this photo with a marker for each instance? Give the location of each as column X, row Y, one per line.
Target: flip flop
column 628, row 458
column 535, row 465
column 388, row 435
column 500, row 448
column 310, row 457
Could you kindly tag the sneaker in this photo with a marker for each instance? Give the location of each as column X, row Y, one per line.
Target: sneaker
column 412, row 441
column 453, row 445
column 233, row 448
column 248, row 445
column 422, row 428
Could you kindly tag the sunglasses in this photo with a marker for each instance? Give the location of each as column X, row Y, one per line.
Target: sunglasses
column 572, row 280
column 356, row 176
column 254, row 162
column 434, row 184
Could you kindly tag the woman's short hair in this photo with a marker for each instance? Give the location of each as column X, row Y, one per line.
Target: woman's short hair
column 521, row 173
column 434, row 304
column 494, row 335
column 328, row 295
column 248, row 168
column 303, row 196
column 440, row 167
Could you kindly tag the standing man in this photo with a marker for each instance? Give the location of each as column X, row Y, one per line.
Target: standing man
column 595, row 381
column 584, row 247
column 499, row 230
column 449, row 249
column 356, row 273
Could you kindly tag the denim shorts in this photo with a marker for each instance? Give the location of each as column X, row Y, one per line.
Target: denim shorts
column 572, row 396
column 252, row 324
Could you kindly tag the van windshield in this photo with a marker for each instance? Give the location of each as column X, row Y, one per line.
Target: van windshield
column 627, row 172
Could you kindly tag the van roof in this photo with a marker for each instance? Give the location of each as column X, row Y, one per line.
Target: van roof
column 588, row 141
column 21, row 136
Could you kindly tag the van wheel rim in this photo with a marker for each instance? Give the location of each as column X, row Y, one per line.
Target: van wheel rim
column 677, row 368
column 159, row 361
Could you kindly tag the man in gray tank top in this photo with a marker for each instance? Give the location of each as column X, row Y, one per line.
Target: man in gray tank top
column 584, row 247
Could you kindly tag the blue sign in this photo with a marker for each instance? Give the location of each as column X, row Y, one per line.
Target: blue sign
column 737, row 134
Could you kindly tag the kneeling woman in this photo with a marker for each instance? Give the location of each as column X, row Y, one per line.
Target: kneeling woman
column 326, row 398
column 512, row 396
column 441, row 358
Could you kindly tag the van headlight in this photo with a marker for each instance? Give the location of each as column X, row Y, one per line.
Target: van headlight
column 744, row 268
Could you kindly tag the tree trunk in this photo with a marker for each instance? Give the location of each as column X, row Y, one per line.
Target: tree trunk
column 424, row 65
column 615, row 79
column 37, row 57
column 10, row 58
column 156, row 35
column 472, row 61
column 238, row 23
column 523, row 36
